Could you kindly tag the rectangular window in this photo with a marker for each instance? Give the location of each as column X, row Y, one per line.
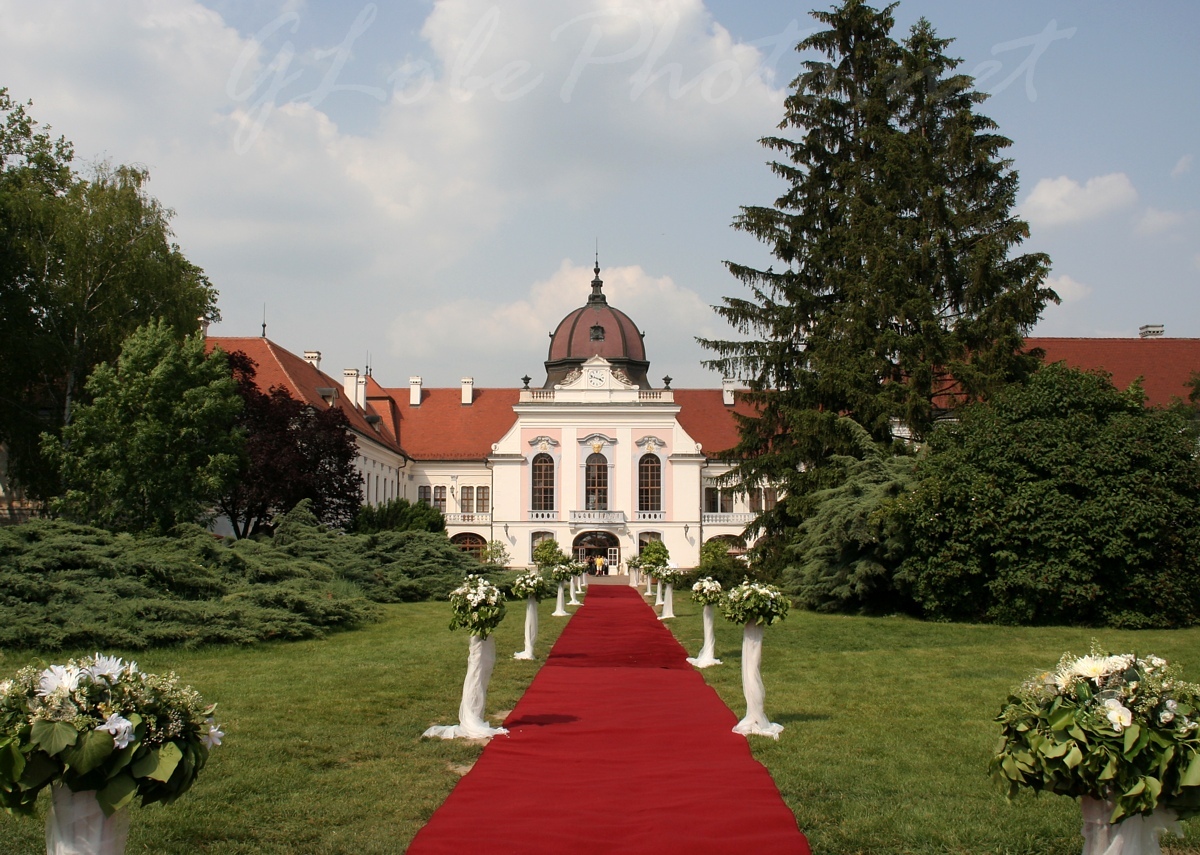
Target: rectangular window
column 717, row 501
column 467, row 500
column 439, row 498
column 483, row 500
column 423, row 494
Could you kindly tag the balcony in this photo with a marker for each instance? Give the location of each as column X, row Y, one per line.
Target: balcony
column 597, row 518
column 468, row 519
column 727, row 519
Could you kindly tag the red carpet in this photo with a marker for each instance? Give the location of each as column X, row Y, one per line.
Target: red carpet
column 617, row 746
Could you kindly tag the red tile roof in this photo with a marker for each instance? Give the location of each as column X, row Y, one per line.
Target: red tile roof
column 443, row 428
column 277, row 367
column 1163, row 364
column 709, row 421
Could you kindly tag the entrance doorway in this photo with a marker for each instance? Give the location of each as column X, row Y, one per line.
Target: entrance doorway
column 598, row 544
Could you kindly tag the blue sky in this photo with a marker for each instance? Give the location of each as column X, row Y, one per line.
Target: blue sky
column 423, row 184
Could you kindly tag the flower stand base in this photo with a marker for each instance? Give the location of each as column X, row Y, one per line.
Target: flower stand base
column 706, row 658
column 574, row 592
column 756, row 721
column 1134, row 835
column 77, row 825
column 668, row 606
column 531, row 628
column 481, row 658
column 560, row 609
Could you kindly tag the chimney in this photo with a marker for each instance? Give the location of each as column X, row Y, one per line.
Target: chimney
column 414, row 391
column 727, row 386
column 350, row 384
column 360, row 392
column 468, row 390
column 313, row 358
column 1150, row 331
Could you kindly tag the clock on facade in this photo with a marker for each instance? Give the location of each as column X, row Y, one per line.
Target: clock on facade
column 595, row 376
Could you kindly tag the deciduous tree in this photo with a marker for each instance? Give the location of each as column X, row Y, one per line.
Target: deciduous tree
column 156, row 444
column 1061, row 501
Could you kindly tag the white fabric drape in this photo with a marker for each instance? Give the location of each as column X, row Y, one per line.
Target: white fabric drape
column 531, row 628
column 756, row 720
column 706, row 658
column 481, row 658
column 634, row 580
column 1134, row 835
column 647, row 578
column 560, row 608
column 574, row 591
column 668, row 606
column 658, row 596
column 76, row 825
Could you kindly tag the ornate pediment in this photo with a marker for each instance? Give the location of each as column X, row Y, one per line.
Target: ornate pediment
column 651, row 444
column 544, row 443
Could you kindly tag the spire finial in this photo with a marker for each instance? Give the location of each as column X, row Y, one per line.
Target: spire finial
column 597, row 295
column 264, row 325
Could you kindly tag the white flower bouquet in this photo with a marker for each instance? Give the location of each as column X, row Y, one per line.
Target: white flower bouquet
column 532, row 584
column 477, row 606
column 564, row 572
column 755, row 603
column 1117, row 728
column 707, row 592
column 98, row 723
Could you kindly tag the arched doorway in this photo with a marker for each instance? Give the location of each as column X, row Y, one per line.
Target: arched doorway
column 591, row 545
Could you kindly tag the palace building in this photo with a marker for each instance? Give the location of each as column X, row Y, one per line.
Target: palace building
column 595, row 456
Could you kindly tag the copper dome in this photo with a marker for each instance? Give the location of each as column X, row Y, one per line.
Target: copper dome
column 597, row 329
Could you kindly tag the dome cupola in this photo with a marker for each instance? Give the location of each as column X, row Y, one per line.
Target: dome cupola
column 597, row 329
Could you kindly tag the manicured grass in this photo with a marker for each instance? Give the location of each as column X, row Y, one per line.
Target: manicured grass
column 889, row 727
column 322, row 751
column 888, row 731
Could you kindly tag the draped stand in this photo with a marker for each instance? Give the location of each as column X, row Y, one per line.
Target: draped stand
column 77, row 825
column 531, row 628
column 756, row 721
column 706, row 657
column 481, row 659
column 560, row 609
column 1135, row 835
column 668, row 609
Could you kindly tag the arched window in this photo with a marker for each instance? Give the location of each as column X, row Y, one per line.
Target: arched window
column 596, row 483
column 543, row 482
column 470, row 543
column 649, row 483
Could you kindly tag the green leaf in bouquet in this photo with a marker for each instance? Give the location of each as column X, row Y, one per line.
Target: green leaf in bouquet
column 1074, row 757
column 1111, row 768
column 159, row 763
column 117, row 793
column 12, row 764
column 89, row 751
column 1062, row 717
column 39, row 770
column 1191, row 775
column 53, row 736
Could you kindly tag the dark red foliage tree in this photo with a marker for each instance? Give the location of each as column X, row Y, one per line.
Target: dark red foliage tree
column 293, row 451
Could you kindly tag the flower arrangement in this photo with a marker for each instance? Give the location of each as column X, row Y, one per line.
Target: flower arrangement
column 707, row 592
column 531, row 584
column 563, row 572
column 478, row 606
column 1120, row 728
column 756, row 603
column 98, row 723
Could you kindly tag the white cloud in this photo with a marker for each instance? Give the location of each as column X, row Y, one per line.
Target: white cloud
column 1062, row 200
column 1069, row 290
column 1182, row 166
column 519, row 329
column 1154, row 221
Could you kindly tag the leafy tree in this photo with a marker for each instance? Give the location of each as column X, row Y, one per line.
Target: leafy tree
column 898, row 292
column 547, row 555
column 399, row 515
column 655, row 556
column 156, row 445
column 292, row 452
column 86, row 261
column 847, row 552
column 495, row 554
column 1063, row 501
column 716, row 562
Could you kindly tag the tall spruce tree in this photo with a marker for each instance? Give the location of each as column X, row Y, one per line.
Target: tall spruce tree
column 899, row 292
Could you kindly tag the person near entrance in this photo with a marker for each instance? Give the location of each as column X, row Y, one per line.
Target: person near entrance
column 601, row 568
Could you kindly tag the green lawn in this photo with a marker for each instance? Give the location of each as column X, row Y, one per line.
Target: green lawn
column 888, row 731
